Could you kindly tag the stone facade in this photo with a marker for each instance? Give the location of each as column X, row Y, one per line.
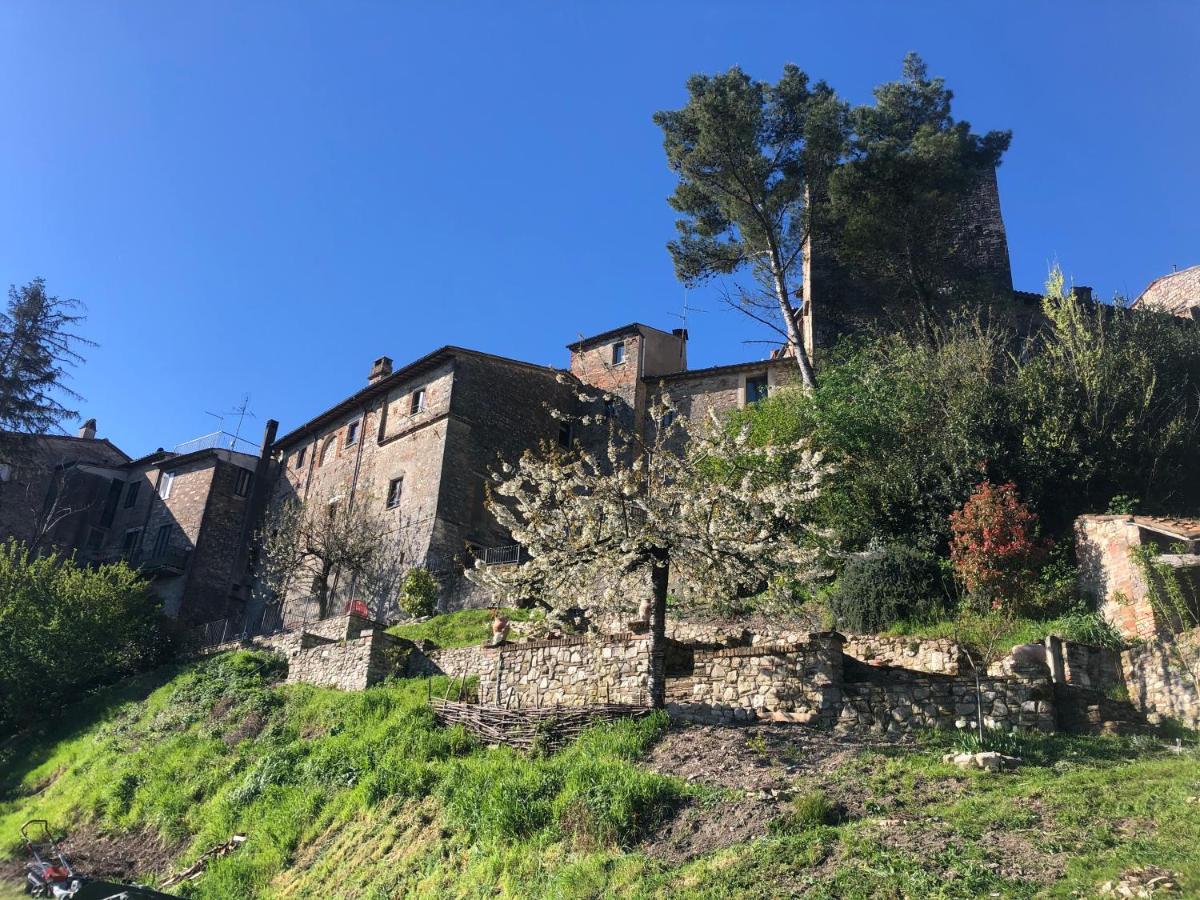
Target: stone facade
column 1177, row 294
column 1162, row 677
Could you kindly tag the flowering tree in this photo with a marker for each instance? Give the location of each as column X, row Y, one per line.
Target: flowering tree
column 993, row 545
column 720, row 516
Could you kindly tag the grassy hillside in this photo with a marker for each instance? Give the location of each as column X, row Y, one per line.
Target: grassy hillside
column 460, row 629
column 362, row 795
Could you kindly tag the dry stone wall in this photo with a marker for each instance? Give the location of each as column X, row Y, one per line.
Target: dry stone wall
column 937, row 656
column 572, row 671
column 798, row 682
column 1161, row 677
column 933, row 702
column 350, row 665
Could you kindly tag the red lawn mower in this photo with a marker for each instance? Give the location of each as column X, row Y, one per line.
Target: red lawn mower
column 50, row 874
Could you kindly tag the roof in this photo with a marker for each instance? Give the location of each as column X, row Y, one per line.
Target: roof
column 631, row 328
column 1182, row 529
column 384, row 385
column 1177, row 293
column 71, row 438
column 721, row 370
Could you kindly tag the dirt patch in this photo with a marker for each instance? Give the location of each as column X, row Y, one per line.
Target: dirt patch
column 699, row 828
column 120, row 858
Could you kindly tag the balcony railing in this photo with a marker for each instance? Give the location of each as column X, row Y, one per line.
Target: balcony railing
column 502, row 556
column 218, row 440
column 171, row 561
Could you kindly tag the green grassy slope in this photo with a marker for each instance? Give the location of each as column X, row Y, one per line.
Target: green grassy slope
column 459, row 629
column 362, row 795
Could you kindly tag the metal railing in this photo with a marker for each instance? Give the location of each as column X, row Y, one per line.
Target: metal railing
column 502, row 556
column 217, row 440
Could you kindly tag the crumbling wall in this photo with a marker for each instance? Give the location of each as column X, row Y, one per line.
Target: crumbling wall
column 1161, row 677
column 939, row 656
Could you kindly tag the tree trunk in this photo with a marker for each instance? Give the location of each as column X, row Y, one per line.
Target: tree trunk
column 659, row 574
column 789, row 318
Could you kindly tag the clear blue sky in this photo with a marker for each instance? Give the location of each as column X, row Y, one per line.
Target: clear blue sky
column 262, row 197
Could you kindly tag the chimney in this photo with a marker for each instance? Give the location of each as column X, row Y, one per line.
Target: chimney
column 1083, row 293
column 381, row 368
column 88, row 431
column 680, row 333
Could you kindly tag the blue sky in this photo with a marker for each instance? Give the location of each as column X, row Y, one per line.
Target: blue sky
column 262, row 197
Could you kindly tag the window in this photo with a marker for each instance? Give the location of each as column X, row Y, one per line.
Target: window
column 5, row 472
column 164, row 487
column 110, row 502
column 395, row 489
column 131, row 493
column 129, row 544
column 300, row 457
column 162, row 540
column 756, row 389
column 241, row 487
column 351, row 434
column 564, row 435
column 668, row 418
column 418, row 401
column 618, row 353
column 95, row 539
column 325, row 448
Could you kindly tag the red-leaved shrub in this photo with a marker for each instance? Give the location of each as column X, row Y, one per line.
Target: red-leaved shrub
column 994, row 546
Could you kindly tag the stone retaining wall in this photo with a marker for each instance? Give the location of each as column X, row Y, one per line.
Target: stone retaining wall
column 456, row 662
column 940, row 702
column 1158, row 679
column 571, row 671
column 1086, row 666
column 939, row 656
column 350, row 665
column 797, row 682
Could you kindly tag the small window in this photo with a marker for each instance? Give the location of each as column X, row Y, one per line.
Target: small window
column 129, row 544
column 300, row 457
column 5, row 472
column 242, row 486
column 668, row 418
column 164, row 486
column 418, row 401
column 162, row 540
column 395, row 489
column 131, row 493
column 564, row 435
column 95, row 539
column 618, row 353
column 351, row 434
column 756, row 389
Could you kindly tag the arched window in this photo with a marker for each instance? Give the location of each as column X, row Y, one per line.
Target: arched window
column 325, row 448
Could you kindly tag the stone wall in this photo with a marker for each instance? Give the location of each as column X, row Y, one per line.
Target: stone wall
column 798, row 682
column 1108, row 573
column 1160, row 677
column 572, row 671
column 940, row 702
column 456, row 662
column 1086, row 666
column 940, row 656
column 350, row 665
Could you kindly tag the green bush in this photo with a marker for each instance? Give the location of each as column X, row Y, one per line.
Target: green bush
column 898, row 584
column 418, row 595
column 66, row 630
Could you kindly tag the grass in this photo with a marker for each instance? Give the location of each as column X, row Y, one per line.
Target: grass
column 460, row 629
column 363, row 795
column 1083, row 627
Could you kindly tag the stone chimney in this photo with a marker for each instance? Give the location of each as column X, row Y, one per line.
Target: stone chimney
column 88, row 431
column 381, row 368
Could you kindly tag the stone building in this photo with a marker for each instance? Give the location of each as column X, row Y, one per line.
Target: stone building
column 182, row 518
column 1177, row 293
column 417, row 444
column 52, row 487
column 1108, row 572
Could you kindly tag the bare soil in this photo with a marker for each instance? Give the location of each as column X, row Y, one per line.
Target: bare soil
column 112, row 857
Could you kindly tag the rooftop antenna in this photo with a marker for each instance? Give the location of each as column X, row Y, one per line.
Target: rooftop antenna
column 241, row 411
column 687, row 311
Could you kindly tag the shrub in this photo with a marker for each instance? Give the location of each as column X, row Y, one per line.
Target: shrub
column 418, row 595
column 994, row 546
column 67, row 630
column 874, row 592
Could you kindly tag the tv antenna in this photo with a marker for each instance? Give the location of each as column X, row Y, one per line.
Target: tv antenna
column 241, row 411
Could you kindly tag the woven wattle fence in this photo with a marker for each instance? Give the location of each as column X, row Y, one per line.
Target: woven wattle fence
column 542, row 727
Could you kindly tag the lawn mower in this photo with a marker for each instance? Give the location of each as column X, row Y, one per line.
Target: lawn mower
column 51, row 875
